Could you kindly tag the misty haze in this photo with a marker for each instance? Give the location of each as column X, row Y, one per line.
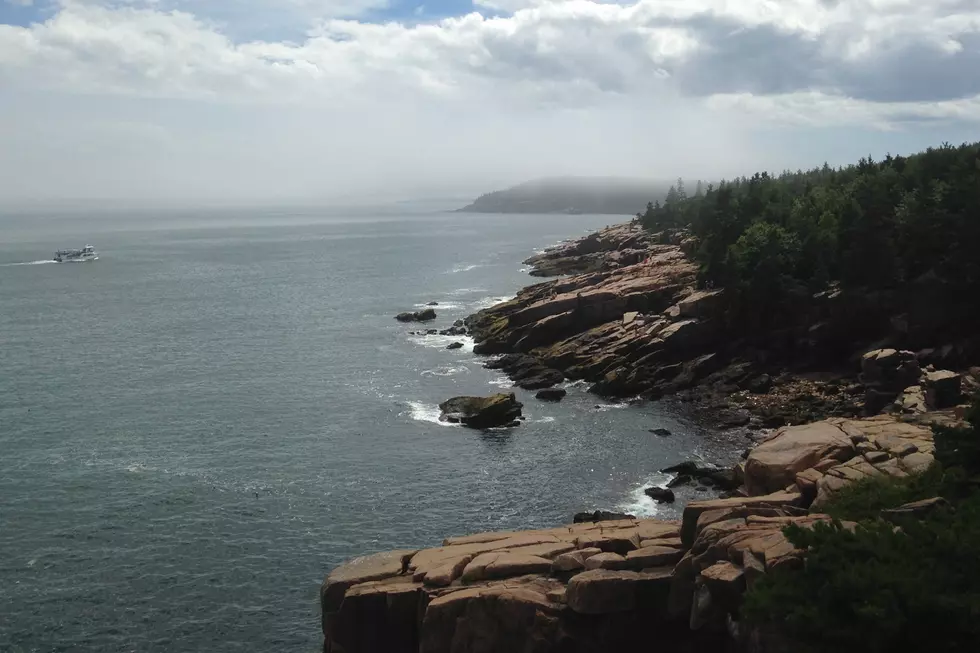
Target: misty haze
column 484, row 326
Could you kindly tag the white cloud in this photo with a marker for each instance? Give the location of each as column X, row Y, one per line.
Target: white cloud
column 547, row 82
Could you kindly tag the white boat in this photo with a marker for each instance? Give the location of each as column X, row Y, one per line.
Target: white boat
column 86, row 253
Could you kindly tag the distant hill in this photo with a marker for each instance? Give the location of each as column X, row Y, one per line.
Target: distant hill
column 573, row 195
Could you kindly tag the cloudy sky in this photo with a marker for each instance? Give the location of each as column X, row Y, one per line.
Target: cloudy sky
column 322, row 99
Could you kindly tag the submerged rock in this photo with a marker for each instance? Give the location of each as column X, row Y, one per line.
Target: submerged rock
column 482, row 412
column 662, row 432
column 454, row 345
column 424, row 315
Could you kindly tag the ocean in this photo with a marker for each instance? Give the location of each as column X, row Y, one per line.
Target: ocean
column 197, row 427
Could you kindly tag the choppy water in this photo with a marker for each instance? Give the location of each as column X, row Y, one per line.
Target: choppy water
column 195, row 428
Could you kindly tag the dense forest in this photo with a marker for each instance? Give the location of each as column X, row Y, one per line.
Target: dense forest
column 572, row 195
column 902, row 225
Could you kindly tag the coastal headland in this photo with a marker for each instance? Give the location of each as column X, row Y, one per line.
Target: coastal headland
column 625, row 313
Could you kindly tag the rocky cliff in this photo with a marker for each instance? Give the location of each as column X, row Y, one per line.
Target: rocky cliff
column 607, row 585
column 626, row 315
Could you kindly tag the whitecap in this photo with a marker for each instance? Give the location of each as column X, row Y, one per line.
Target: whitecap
column 544, row 420
column 465, row 268
column 425, row 413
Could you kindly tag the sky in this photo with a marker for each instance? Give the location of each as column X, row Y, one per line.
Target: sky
column 323, row 100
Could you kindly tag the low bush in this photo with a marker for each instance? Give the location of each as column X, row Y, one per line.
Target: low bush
column 879, row 587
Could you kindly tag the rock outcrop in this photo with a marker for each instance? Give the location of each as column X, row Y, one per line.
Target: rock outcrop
column 606, row 249
column 605, row 584
column 482, row 412
column 425, row 315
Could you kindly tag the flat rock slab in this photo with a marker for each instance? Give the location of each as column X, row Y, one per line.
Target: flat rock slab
column 504, row 564
column 774, row 463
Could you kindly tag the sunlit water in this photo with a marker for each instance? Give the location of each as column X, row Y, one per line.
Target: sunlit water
column 197, row 427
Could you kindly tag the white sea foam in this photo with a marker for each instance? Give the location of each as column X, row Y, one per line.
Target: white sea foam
column 638, row 503
column 42, row 262
column 502, row 382
column 441, row 306
column 425, row 413
column 604, row 407
column 436, row 341
column 487, row 302
column 446, row 371
column 544, row 420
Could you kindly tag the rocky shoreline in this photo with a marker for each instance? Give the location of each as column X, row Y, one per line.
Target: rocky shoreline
column 630, row 320
column 626, row 315
column 602, row 585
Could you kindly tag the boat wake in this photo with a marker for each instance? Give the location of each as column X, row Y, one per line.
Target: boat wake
column 42, row 262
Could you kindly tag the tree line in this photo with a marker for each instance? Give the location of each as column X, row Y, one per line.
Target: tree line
column 777, row 240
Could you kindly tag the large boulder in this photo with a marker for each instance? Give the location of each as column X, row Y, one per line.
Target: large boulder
column 773, row 465
column 482, row 412
column 424, row 315
column 551, row 394
column 892, row 368
column 942, row 389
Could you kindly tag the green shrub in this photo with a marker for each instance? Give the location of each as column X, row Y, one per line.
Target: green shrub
column 866, row 499
column 879, row 589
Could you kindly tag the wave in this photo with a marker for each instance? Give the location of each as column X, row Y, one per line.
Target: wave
column 487, row 302
column 465, row 291
column 441, row 306
column 604, row 407
column 543, row 420
column 436, row 341
column 425, row 413
column 41, row 262
column 580, row 383
column 465, row 268
column 446, row 371
column 502, row 382
column 638, row 503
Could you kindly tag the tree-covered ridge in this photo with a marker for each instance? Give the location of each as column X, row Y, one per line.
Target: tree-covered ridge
column 571, row 195
column 876, row 225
